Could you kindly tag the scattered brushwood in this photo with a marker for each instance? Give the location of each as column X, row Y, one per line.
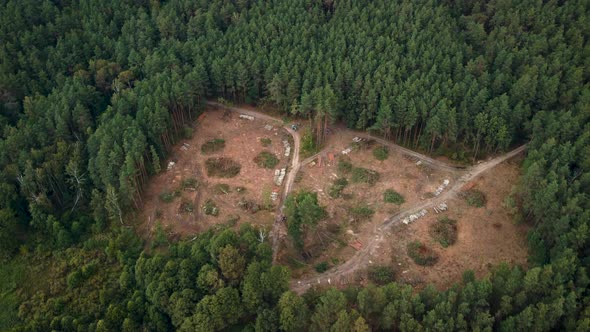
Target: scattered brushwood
column 221, row 189
column 363, row 175
column 213, row 146
column 266, row 159
column 222, row 167
column 210, row 208
column 190, row 184
column 475, row 198
column 266, row 142
column 381, row 153
column 248, row 205
column 421, row 254
column 444, row 231
column 380, row 274
column 337, row 187
column 186, row 207
column 392, row 196
column 361, row 212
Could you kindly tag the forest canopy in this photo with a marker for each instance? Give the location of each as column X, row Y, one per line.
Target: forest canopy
column 94, row 94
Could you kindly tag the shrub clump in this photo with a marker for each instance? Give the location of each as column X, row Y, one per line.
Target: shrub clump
column 266, row 142
column 266, row 159
column 475, row 198
column 392, row 196
column 364, row 175
column 381, row 153
column 421, row 254
column 344, row 166
column 380, row 274
column 361, row 212
column 444, row 231
column 337, row 187
column 322, row 267
column 210, row 208
column 222, row 167
column 213, row 145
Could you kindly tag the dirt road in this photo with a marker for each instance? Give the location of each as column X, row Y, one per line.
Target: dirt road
column 362, row 257
column 437, row 164
column 292, row 172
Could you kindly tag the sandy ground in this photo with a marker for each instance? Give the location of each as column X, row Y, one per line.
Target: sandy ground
column 487, row 236
column 398, row 172
column 242, row 144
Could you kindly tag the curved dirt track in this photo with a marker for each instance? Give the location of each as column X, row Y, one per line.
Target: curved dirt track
column 436, row 164
column 292, row 172
column 361, row 258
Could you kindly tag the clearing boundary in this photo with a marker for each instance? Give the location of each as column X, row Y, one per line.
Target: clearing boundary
column 361, row 257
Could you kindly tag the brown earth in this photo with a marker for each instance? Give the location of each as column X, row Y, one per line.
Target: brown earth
column 397, row 172
column 242, row 144
column 487, row 236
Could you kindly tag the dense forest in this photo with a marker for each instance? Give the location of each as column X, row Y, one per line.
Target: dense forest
column 93, row 95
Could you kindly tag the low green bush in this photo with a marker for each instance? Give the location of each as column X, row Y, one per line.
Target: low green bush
column 381, row 153
column 392, row 196
column 266, row 159
column 322, row 267
column 266, row 142
column 361, row 212
column 380, row 274
column 363, row 175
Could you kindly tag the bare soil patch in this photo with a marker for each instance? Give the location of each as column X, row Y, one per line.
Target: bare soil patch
column 358, row 207
column 486, row 236
column 213, row 200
